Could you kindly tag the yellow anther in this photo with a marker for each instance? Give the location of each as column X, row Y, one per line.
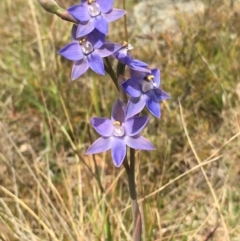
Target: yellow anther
column 91, row 1
column 149, row 78
column 82, row 40
column 125, row 43
column 117, row 123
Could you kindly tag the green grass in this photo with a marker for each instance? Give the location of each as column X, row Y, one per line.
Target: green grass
column 47, row 187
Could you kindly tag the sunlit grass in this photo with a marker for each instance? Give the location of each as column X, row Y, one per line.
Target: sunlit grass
column 47, row 186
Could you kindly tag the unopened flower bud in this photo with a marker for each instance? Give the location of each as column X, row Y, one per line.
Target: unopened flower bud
column 52, row 7
column 49, row 5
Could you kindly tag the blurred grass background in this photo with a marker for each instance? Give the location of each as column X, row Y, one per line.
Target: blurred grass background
column 187, row 187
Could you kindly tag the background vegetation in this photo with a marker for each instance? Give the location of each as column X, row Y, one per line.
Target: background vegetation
column 188, row 188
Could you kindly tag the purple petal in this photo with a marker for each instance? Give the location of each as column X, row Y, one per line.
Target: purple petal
column 96, row 63
column 122, row 53
column 84, row 28
column 80, row 12
column 105, row 5
column 140, row 63
column 135, row 105
column 132, row 87
column 123, row 56
column 134, row 125
column 107, row 49
column 114, row 14
column 126, row 60
column 101, row 24
column 138, row 68
column 152, row 104
column 118, row 151
column 137, row 75
column 118, row 111
column 74, row 32
column 103, row 126
column 161, row 95
column 100, row 145
column 156, row 73
column 96, row 38
column 79, row 68
column 71, row 51
column 138, row 142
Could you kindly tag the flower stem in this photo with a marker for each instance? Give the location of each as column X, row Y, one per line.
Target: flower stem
column 130, row 169
column 111, row 72
column 137, row 220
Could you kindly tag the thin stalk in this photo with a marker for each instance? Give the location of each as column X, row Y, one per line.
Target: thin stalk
column 137, row 219
column 125, row 22
column 110, row 71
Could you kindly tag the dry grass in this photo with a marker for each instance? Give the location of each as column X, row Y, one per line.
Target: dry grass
column 187, row 187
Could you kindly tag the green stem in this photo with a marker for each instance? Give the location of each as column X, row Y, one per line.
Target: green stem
column 130, row 169
column 110, row 71
column 137, row 219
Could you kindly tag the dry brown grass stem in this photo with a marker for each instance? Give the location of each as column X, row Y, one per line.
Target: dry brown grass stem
column 205, row 175
column 31, row 212
column 38, row 33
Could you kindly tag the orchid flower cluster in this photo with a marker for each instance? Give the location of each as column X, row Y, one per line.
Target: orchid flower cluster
column 87, row 49
column 90, row 49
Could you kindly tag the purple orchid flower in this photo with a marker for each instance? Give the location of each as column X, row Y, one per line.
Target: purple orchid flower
column 118, row 132
column 124, row 56
column 94, row 14
column 88, row 52
column 143, row 89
